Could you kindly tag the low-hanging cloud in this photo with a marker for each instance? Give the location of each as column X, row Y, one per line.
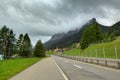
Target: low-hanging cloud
column 47, row 17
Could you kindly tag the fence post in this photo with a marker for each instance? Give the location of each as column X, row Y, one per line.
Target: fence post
column 85, row 53
column 79, row 54
column 118, row 65
column 82, row 54
column 90, row 53
column 103, row 52
column 116, row 55
column 96, row 52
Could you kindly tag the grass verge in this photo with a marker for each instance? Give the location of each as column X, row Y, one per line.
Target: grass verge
column 103, row 50
column 9, row 68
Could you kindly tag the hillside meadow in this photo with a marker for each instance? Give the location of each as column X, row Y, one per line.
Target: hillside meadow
column 102, row 50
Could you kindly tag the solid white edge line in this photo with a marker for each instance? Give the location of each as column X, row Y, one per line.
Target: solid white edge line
column 65, row 77
column 77, row 66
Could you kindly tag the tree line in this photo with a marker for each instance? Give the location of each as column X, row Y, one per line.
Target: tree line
column 94, row 34
column 22, row 46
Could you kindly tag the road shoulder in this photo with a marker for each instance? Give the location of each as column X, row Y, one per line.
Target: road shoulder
column 45, row 69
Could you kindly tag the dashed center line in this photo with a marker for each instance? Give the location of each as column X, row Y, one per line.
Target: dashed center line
column 77, row 66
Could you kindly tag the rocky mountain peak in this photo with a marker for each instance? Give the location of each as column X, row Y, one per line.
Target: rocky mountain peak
column 93, row 20
column 57, row 36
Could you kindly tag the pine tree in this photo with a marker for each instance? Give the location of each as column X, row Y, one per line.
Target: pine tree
column 98, row 33
column 10, row 45
column 92, row 34
column 27, row 47
column 106, row 38
column 84, row 39
column 39, row 50
column 7, row 39
column 112, row 36
column 19, row 44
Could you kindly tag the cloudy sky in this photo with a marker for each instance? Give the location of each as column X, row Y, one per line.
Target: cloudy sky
column 43, row 18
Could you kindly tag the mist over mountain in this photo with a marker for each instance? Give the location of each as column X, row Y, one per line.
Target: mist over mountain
column 73, row 36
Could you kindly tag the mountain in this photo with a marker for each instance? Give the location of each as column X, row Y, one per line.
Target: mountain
column 66, row 39
column 115, row 28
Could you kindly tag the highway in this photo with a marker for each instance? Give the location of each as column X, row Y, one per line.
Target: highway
column 76, row 70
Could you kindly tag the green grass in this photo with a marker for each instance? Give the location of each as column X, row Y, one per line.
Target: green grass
column 51, row 52
column 98, row 50
column 8, row 68
column 73, row 52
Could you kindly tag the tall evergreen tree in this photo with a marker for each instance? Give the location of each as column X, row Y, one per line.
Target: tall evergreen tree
column 39, row 50
column 19, row 44
column 112, row 36
column 106, row 38
column 84, row 39
column 27, row 47
column 7, row 39
column 93, row 34
column 11, row 42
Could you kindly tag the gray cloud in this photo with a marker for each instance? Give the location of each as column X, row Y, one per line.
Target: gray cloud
column 43, row 18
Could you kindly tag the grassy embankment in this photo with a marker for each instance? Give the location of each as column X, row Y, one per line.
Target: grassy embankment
column 102, row 50
column 8, row 68
column 50, row 53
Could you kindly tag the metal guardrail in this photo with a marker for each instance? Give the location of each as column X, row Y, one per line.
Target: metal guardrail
column 113, row 63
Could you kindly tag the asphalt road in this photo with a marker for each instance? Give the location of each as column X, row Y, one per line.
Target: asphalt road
column 45, row 69
column 75, row 70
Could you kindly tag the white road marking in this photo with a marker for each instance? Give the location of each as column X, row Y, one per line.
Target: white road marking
column 65, row 77
column 66, row 61
column 77, row 66
column 108, row 68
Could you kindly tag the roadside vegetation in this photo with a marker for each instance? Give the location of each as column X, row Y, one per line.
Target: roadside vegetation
column 39, row 50
column 10, row 46
column 10, row 67
column 102, row 50
column 17, row 53
column 98, row 44
column 94, row 35
column 50, row 52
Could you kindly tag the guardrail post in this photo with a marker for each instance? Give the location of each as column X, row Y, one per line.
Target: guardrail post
column 97, row 61
column 105, row 62
column 82, row 59
column 118, row 64
column 78, row 58
column 116, row 55
column 74, row 58
column 91, row 60
column 86, row 60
